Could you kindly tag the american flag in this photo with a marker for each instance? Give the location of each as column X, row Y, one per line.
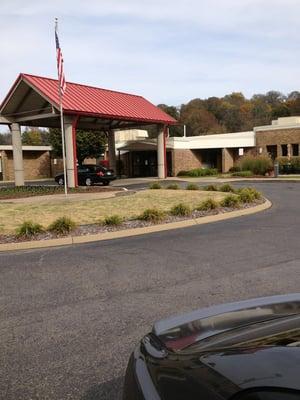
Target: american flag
column 60, row 65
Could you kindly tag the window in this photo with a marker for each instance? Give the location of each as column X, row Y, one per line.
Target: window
column 284, row 150
column 295, row 149
column 272, row 150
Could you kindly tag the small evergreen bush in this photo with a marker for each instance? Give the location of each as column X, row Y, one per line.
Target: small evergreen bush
column 113, row 220
column 152, row 215
column 243, row 174
column 230, row 201
column 197, row 172
column 180, row 209
column 192, row 186
column 29, row 229
column 155, row 185
column 207, row 205
column 62, row 225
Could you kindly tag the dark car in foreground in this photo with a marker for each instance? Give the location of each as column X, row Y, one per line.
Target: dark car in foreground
column 90, row 174
column 240, row 351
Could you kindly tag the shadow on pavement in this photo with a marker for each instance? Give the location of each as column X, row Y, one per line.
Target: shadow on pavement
column 110, row 390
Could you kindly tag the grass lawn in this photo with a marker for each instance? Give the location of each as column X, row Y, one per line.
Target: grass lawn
column 92, row 211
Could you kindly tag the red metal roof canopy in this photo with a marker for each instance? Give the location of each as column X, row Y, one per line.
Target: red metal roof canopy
column 91, row 101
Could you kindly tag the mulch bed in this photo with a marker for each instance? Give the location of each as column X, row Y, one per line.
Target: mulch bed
column 92, row 229
column 7, row 193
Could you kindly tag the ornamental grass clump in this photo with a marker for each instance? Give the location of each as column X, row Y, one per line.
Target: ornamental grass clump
column 211, row 188
column 181, row 210
column 172, row 186
column 226, row 188
column 29, row 229
column 246, row 195
column 155, row 185
column 192, row 186
column 207, row 205
column 152, row 215
column 62, row 226
column 259, row 165
column 256, row 194
column 113, row 220
column 231, row 201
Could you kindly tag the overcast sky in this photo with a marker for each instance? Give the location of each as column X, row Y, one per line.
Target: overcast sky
column 169, row 51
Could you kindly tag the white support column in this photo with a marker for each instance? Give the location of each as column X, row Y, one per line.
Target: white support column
column 17, row 154
column 112, row 151
column 69, row 154
column 161, row 154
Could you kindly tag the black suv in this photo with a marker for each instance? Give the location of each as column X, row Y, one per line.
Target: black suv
column 240, row 351
column 90, row 174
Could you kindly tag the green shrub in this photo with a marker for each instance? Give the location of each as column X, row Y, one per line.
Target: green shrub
column 207, row 205
column 197, row 172
column 211, row 188
column 180, row 209
column 230, row 201
column 243, row 174
column 226, row 188
column 289, row 165
column 29, row 229
column 235, row 168
column 259, row 165
column 256, row 194
column 113, row 220
column 172, row 186
column 192, row 186
column 246, row 195
column 152, row 215
column 62, row 225
column 155, row 185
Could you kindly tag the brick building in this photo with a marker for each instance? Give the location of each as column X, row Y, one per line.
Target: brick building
column 37, row 162
column 137, row 155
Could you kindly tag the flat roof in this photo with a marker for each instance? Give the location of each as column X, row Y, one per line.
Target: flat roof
column 26, row 148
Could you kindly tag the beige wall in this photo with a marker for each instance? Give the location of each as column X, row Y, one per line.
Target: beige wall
column 36, row 165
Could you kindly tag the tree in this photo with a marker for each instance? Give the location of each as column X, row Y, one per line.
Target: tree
column 174, row 112
column 5, row 138
column 35, row 137
column 90, row 144
column 198, row 120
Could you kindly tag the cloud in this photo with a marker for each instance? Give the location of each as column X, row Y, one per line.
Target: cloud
column 168, row 51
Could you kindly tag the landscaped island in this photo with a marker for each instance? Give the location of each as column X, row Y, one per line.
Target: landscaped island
column 53, row 218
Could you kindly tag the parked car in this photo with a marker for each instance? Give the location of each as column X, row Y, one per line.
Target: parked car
column 240, row 351
column 90, row 174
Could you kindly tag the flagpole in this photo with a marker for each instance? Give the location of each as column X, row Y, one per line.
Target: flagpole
column 62, row 127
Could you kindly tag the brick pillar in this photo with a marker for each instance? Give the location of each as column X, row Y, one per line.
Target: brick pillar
column 289, row 150
column 279, row 150
column 227, row 160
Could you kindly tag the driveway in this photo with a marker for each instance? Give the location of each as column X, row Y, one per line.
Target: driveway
column 71, row 316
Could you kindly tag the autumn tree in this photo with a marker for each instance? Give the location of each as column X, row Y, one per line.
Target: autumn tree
column 89, row 144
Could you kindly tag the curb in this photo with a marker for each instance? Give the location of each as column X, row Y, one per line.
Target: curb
column 134, row 231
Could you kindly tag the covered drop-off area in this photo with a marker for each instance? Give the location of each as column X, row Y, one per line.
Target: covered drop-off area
column 34, row 101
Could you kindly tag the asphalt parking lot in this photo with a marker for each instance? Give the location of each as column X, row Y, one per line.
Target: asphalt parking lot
column 70, row 316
